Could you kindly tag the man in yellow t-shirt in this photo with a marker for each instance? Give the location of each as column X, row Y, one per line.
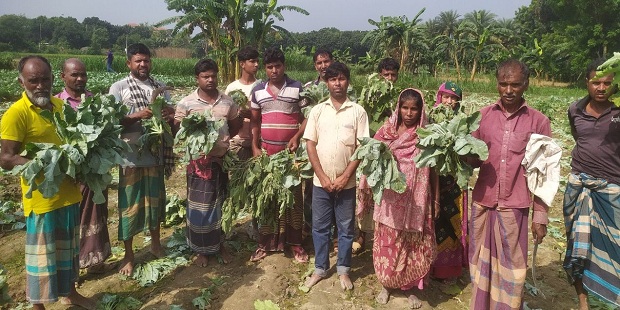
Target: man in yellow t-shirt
column 52, row 224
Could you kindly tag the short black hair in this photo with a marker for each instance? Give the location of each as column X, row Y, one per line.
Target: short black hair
column 593, row 66
column 322, row 52
column 24, row 60
column 205, row 65
column 335, row 69
column 388, row 64
column 273, row 54
column 513, row 63
column 137, row 48
column 247, row 53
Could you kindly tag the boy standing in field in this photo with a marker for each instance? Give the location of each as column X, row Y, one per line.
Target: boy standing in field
column 388, row 69
column 241, row 144
column 277, row 124
column 331, row 137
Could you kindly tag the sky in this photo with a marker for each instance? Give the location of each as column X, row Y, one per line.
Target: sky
column 341, row 14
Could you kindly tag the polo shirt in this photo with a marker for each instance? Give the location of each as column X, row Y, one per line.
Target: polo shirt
column 222, row 109
column 23, row 123
column 73, row 102
column 335, row 133
column 501, row 181
column 280, row 113
column 597, row 141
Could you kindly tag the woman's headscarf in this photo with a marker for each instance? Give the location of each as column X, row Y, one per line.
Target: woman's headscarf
column 448, row 88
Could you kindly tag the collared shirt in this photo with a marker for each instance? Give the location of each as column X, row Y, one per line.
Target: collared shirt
column 73, row 102
column 23, row 123
column 597, row 141
column 223, row 108
column 132, row 133
column 280, row 113
column 335, row 133
column 501, row 181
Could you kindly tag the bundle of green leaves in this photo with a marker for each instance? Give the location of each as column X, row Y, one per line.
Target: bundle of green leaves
column 263, row 185
column 175, row 210
column 377, row 97
column 380, row 168
column 239, row 97
column 612, row 66
column 91, row 148
column 444, row 143
column 157, row 131
column 4, row 286
column 316, row 93
column 199, row 132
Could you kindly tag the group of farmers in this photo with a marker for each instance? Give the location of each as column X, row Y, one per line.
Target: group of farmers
column 422, row 233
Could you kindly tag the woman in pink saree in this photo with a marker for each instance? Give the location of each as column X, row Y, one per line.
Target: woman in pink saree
column 404, row 244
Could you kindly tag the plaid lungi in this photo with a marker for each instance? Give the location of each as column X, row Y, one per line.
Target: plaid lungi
column 141, row 200
column 52, row 253
column 592, row 216
column 205, row 197
column 497, row 257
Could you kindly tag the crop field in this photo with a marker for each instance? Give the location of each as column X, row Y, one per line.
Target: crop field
column 274, row 281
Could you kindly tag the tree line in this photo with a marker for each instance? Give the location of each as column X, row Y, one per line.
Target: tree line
column 556, row 38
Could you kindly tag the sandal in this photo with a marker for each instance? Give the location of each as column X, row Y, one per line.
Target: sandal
column 300, row 254
column 258, row 255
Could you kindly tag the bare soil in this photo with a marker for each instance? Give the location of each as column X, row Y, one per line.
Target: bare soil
column 240, row 283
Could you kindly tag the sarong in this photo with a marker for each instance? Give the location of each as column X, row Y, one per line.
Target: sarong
column 592, row 216
column 288, row 228
column 52, row 252
column 94, row 237
column 497, row 257
column 205, row 197
column 450, row 231
column 402, row 259
column 141, row 200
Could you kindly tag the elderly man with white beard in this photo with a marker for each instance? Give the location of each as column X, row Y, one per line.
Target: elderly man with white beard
column 52, row 224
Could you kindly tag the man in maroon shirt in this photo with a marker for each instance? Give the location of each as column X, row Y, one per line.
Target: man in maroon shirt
column 501, row 199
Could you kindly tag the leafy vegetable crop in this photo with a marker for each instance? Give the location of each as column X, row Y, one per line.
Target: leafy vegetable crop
column 377, row 97
column 91, row 148
column 379, row 167
column 200, row 132
column 316, row 93
column 175, row 210
column 443, row 143
column 157, row 132
column 239, row 97
column 4, row 286
column 263, row 185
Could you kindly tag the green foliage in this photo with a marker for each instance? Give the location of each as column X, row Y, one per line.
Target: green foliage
column 116, row 302
column 157, row 132
column 204, row 300
column 380, row 168
column 175, row 210
column 377, row 97
column 148, row 273
column 11, row 216
column 239, row 97
column 91, row 148
column 199, row 132
column 265, row 305
column 444, row 143
column 263, row 185
column 612, row 66
column 316, row 93
column 4, row 286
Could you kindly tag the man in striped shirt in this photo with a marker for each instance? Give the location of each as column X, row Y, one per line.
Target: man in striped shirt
column 277, row 124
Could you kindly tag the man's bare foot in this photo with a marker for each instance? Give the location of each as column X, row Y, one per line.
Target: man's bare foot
column 258, row 255
column 77, row 299
column 414, row 302
column 201, row 260
column 126, row 266
column 157, row 250
column 383, row 296
column 345, row 282
column 312, row 280
column 224, row 255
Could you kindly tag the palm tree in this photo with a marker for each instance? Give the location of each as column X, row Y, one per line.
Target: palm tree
column 398, row 36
